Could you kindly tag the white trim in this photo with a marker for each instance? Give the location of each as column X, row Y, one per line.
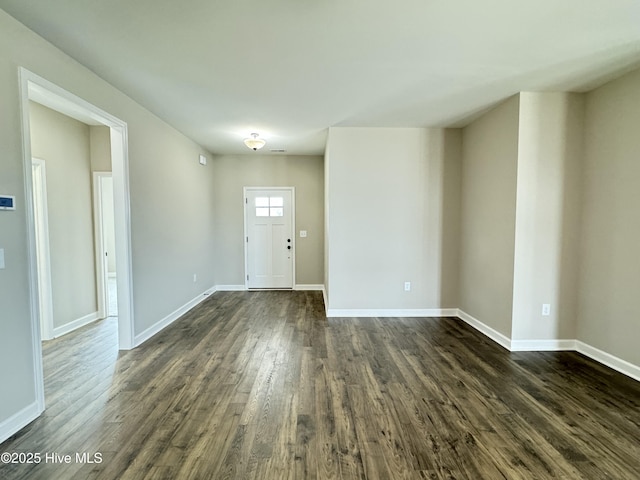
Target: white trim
column 300, row 286
column 392, row 312
column 308, row 286
column 43, row 250
column 246, row 230
column 27, row 162
column 325, row 300
column 172, row 317
column 230, row 288
column 122, row 225
column 551, row 345
column 33, row 86
column 609, row 360
column 493, row 334
column 18, row 421
column 75, row 324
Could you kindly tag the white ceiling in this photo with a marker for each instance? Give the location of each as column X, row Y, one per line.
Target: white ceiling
column 218, row 70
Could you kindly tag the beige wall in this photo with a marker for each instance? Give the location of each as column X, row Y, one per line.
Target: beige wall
column 16, row 348
column 386, row 208
column 172, row 208
column 451, row 218
column 170, row 240
column 570, row 195
column 232, row 173
column 100, row 147
column 609, row 255
column 488, row 214
column 63, row 144
column 547, row 215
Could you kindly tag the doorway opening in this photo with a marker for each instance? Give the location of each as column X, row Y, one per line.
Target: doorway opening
column 106, row 265
column 34, row 88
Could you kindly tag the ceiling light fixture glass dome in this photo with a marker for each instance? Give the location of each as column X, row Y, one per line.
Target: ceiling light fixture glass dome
column 254, row 143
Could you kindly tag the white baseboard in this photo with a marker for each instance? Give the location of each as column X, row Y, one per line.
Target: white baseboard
column 230, row 288
column 325, row 300
column 553, row 345
column 392, row 312
column 172, row 317
column 308, row 286
column 74, row 325
column 299, row 286
column 609, row 360
column 493, row 334
column 18, row 421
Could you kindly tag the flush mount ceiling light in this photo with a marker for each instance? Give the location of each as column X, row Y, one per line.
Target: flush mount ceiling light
column 254, row 143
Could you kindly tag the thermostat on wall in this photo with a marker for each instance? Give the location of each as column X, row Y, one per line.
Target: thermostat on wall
column 7, row 202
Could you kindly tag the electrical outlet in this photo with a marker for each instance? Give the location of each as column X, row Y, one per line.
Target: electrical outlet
column 195, row 277
column 407, row 286
column 303, row 234
column 546, row 309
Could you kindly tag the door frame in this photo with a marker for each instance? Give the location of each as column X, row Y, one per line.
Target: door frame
column 43, row 251
column 35, row 88
column 245, row 205
column 100, row 249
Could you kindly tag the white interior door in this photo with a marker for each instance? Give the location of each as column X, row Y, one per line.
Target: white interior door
column 269, row 237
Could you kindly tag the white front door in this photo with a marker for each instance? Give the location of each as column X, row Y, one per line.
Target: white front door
column 269, row 237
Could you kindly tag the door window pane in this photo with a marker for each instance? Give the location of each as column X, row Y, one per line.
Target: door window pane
column 269, row 206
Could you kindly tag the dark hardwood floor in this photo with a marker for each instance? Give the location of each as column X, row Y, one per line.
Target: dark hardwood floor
column 260, row 385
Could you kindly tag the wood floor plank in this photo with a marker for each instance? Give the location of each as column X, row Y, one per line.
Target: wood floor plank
column 261, row 385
